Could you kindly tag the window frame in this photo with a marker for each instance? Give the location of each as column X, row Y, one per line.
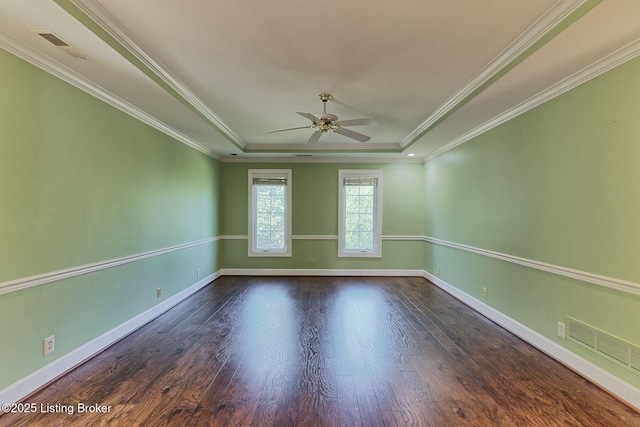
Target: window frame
column 376, row 252
column 273, row 174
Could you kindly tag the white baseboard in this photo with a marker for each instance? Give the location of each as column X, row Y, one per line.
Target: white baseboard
column 30, row 383
column 613, row 384
column 318, row 272
column 39, row 378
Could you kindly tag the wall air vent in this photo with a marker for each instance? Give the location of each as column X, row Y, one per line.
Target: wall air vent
column 614, row 348
column 605, row 344
column 635, row 359
column 61, row 44
column 582, row 333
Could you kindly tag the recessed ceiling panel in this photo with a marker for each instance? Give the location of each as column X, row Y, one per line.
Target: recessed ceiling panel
column 256, row 63
column 220, row 74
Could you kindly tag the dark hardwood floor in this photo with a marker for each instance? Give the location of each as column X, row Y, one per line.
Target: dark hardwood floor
column 323, row 351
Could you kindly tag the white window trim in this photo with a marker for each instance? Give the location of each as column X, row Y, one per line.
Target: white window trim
column 377, row 231
column 269, row 173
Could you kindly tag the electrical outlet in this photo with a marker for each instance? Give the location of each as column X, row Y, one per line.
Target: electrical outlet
column 49, row 345
column 158, row 292
column 197, row 273
column 484, row 292
column 562, row 330
column 437, row 270
column 312, row 261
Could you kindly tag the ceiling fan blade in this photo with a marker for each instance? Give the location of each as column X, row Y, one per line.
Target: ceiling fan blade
column 282, row 130
column 354, row 135
column 314, row 137
column 308, row 116
column 358, row 122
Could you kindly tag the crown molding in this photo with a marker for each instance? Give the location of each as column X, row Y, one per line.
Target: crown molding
column 60, row 71
column 323, row 148
column 611, row 61
column 508, row 57
column 105, row 20
column 311, row 159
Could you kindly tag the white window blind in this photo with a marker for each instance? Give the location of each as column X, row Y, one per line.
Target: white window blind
column 270, row 181
column 270, row 213
column 360, row 213
column 370, row 181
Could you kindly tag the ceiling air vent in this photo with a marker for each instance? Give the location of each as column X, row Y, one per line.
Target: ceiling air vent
column 61, row 44
column 53, row 39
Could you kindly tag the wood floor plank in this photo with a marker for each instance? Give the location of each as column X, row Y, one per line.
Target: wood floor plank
column 324, row 351
column 265, row 412
column 370, row 413
column 347, row 402
column 481, row 367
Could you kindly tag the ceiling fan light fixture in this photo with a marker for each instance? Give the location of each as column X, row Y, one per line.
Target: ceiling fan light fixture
column 326, row 122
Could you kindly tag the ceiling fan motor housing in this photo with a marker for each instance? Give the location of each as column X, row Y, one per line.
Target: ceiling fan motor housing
column 327, row 118
column 326, row 122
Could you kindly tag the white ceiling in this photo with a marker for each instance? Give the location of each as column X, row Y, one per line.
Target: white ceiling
column 216, row 75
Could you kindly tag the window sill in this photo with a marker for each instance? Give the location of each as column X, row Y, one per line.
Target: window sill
column 270, row 254
column 359, row 255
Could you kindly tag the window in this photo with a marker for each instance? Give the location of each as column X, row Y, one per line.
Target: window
column 360, row 220
column 269, row 212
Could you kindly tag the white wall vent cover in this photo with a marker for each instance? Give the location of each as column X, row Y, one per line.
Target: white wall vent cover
column 635, row 359
column 604, row 344
column 582, row 333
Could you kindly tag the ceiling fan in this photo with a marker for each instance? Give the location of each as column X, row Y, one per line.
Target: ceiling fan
column 326, row 122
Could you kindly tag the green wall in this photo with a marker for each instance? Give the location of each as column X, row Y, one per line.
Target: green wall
column 557, row 184
column 315, row 212
column 81, row 182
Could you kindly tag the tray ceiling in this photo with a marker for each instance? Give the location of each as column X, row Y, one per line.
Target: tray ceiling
column 217, row 75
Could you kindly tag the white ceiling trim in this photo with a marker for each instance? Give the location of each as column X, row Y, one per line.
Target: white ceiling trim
column 56, row 69
column 322, row 147
column 609, row 62
column 112, row 26
column 554, row 16
column 302, row 158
